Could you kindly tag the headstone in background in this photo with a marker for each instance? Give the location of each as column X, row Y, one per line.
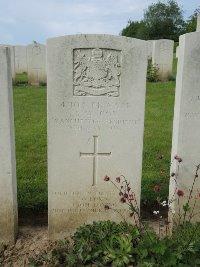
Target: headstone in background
column 198, row 23
column 20, row 59
column 186, row 127
column 96, row 98
column 36, row 61
column 162, row 57
column 150, row 48
column 12, row 54
column 177, row 51
column 8, row 187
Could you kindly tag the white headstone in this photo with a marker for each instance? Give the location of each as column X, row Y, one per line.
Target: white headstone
column 186, row 128
column 20, row 59
column 36, row 60
column 162, row 57
column 198, row 23
column 96, row 96
column 8, row 188
column 177, row 51
column 12, row 54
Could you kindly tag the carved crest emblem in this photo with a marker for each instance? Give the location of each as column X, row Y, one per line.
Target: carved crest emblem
column 96, row 72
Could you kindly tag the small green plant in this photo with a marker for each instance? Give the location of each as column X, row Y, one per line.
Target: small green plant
column 42, row 83
column 171, row 77
column 185, row 211
column 105, row 243
column 152, row 72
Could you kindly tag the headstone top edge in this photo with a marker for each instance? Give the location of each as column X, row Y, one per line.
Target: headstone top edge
column 30, row 45
column 91, row 36
column 4, row 47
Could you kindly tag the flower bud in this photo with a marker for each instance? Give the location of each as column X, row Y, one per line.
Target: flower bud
column 106, row 178
column 117, row 179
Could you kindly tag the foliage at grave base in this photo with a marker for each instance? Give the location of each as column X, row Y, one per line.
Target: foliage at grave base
column 171, row 77
column 152, row 73
column 42, row 83
column 21, row 78
column 110, row 244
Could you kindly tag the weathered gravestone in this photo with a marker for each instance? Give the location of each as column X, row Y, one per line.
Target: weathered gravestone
column 177, row 51
column 20, row 59
column 8, row 188
column 12, row 55
column 36, row 61
column 96, row 96
column 162, row 57
column 198, row 23
column 186, row 131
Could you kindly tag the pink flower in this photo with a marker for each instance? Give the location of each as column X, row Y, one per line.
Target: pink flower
column 178, row 158
column 156, row 188
column 106, row 178
column 118, row 179
column 180, row 193
column 131, row 197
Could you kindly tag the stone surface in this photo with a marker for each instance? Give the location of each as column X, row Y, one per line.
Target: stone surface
column 8, row 189
column 177, row 51
column 36, row 61
column 96, row 96
column 162, row 57
column 186, row 130
column 12, row 54
column 20, row 59
column 198, row 23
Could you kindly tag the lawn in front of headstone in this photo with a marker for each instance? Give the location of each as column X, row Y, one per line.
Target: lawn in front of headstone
column 31, row 143
column 31, row 146
column 157, row 140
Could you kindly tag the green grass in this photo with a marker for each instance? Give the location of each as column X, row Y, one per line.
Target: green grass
column 31, row 146
column 31, row 142
column 157, row 138
column 21, row 78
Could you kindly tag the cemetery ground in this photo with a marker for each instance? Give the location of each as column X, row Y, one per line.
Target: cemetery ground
column 31, row 156
column 135, row 244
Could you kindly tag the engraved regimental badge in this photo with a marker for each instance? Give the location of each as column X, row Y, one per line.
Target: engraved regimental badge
column 96, row 72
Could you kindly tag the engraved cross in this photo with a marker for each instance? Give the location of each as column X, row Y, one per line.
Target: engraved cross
column 95, row 156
